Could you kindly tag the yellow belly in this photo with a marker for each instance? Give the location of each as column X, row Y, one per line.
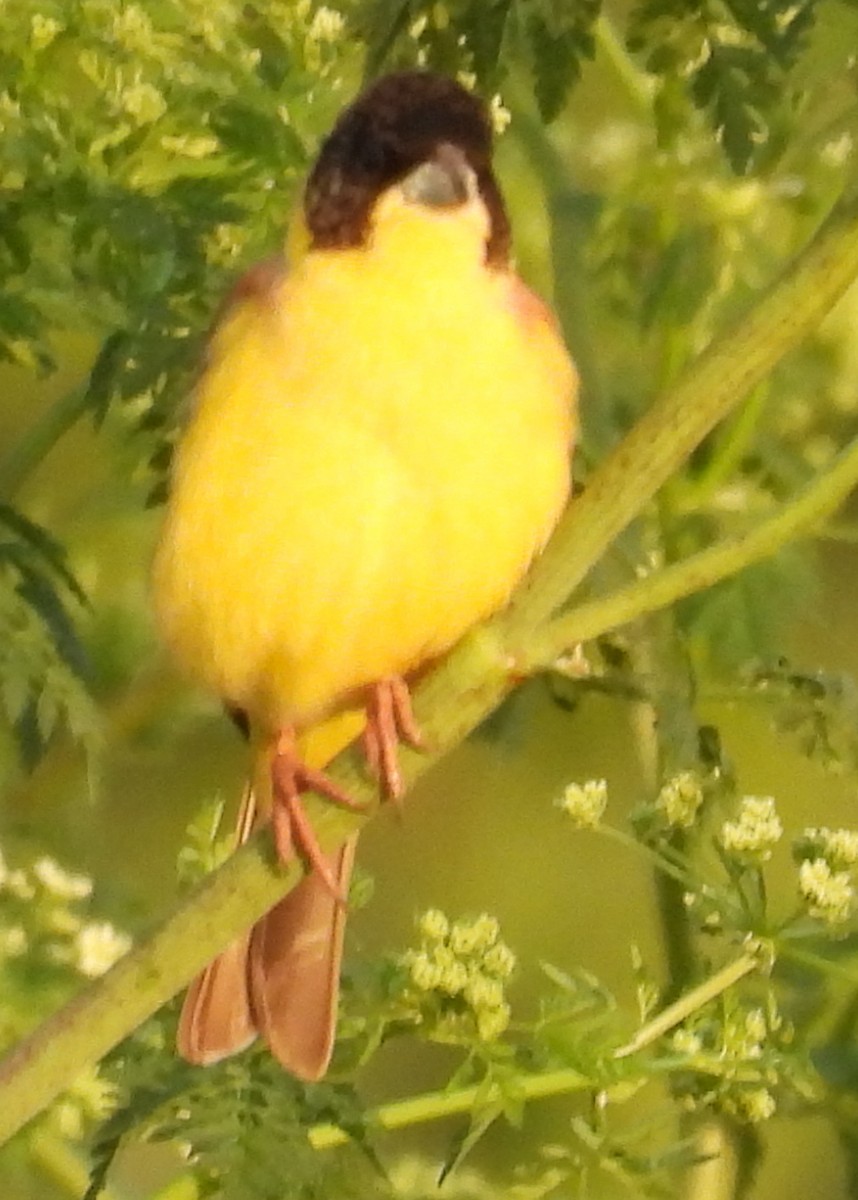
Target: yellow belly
column 375, row 455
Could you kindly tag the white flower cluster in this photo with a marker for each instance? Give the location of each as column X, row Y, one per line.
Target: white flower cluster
column 755, row 832
column 839, row 847
column 744, row 1041
column 732, row 1052
column 465, row 965
column 825, row 884
column 41, row 920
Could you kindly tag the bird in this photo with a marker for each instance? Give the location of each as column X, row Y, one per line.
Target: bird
column 377, row 448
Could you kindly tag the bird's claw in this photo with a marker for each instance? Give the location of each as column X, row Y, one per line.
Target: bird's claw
column 389, row 721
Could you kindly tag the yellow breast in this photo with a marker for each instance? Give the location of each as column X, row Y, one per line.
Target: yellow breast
column 379, row 446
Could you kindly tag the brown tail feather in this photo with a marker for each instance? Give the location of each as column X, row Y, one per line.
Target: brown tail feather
column 216, row 1020
column 294, row 970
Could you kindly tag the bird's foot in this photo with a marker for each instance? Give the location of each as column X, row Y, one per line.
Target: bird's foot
column 389, row 721
column 289, row 822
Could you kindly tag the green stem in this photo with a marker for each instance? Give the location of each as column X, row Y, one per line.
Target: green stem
column 457, row 695
column 671, row 742
column 434, row 1106
column 18, row 462
column 821, row 497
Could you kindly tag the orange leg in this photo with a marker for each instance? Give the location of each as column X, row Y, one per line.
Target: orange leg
column 290, row 826
column 389, row 721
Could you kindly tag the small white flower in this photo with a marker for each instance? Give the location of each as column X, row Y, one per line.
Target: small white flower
column 98, row 946
column 425, row 974
column 132, row 29
column 453, row 977
column 481, row 992
column 499, row 961
column 499, row 114
column 211, row 35
column 43, row 30
column 19, row 884
column 585, row 803
column 225, row 243
column 433, row 925
column 753, row 1105
column 492, row 1022
column 680, row 800
column 486, row 931
column 464, row 938
column 418, row 27
column 13, row 942
column 60, row 882
column 327, row 25
column 142, row 101
column 755, row 1026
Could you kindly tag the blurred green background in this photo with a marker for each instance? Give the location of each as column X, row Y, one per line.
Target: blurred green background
column 481, row 832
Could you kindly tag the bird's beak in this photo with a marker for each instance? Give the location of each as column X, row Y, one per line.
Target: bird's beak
column 443, row 181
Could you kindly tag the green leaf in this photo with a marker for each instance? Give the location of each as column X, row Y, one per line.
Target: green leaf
column 743, row 617
column 111, row 359
column 733, row 60
column 46, row 547
column 464, row 1142
column 560, row 37
column 378, row 24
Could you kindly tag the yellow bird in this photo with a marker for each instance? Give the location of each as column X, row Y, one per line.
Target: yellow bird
column 378, row 447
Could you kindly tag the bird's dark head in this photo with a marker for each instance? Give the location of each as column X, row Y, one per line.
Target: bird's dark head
column 419, row 129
